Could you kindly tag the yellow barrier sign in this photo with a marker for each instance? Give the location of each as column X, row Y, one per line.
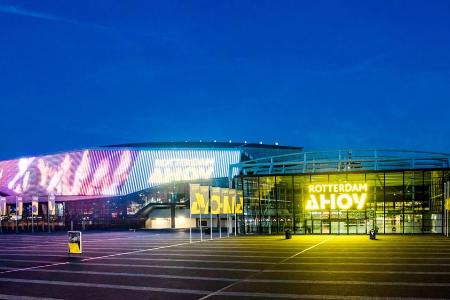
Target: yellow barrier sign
column 75, row 245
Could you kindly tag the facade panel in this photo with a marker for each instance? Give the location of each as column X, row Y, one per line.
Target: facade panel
column 395, row 202
column 111, row 172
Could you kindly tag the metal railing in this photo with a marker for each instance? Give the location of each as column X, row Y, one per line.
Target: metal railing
column 346, row 160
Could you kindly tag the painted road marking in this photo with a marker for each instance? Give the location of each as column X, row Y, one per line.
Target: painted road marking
column 15, row 297
column 138, row 275
column 154, row 267
column 304, row 296
column 259, row 272
column 348, row 282
column 106, row 286
column 92, row 258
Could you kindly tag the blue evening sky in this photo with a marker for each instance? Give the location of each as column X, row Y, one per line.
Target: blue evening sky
column 319, row 74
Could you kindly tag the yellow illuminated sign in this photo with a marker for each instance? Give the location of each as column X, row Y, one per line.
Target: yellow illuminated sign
column 215, row 200
column 199, row 199
column 220, row 200
column 75, row 246
column 337, row 196
column 239, row 202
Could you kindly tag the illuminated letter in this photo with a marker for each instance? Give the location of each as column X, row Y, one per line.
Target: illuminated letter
column 331, row 201
column 215, row 201
column 361, row 201
column 239, row 202
column 363, row 187
column 341, row 199
column 348, row 187
column 225, row 201
column 323, row 201
column 312, row 203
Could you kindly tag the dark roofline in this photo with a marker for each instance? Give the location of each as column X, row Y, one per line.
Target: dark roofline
column 199, row 145
column 169, row 145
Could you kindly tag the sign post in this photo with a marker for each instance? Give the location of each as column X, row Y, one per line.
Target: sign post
column 2, row 211
column 201, row 233
column 215, row 206
column 446, row 207
column 199, row 197
column 19, row 211
column 51, row 209
column 239, row 209
column 190, row 226
column 235, row 199
column 193, row 188
column 225, row 206
column 34, row 209
column 210, row 215
column 202, row 199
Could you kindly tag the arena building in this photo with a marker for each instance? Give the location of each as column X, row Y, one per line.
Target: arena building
column 146, row 185
column 143, row 185
column 346, row 192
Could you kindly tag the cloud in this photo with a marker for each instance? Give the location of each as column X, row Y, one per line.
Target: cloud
column 14, row 10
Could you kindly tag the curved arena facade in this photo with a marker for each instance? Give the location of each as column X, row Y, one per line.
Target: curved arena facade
column 99, row 172
column 346, row 192
column 128, row 185
column 146, row 185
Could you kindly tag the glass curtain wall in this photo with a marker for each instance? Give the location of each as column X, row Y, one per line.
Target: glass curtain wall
column 398, row 202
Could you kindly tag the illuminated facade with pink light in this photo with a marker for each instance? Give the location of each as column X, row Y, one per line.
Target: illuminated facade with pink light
column 114, row 186
column 110, row 172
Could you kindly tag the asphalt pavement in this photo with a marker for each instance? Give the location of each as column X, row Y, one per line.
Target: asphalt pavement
column 157, row 265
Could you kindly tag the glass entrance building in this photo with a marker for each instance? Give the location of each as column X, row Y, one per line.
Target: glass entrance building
column 345, row 192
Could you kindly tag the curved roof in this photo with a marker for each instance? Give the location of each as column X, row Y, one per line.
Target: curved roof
column 345, row 160
column 200, row 145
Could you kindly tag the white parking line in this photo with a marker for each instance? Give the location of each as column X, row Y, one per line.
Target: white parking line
column 106, row 286
column 200, row 278
column 255, row 274
column 349, row 282
column 15, row 297
column 193, row 260
column 321, row 297
column 92, row 258
column 366, row 264
column 357, row 272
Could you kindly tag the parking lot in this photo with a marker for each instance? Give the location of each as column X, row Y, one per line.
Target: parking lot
column 150, row 265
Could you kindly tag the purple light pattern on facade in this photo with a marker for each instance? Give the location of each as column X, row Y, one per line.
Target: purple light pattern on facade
column 106, row 172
